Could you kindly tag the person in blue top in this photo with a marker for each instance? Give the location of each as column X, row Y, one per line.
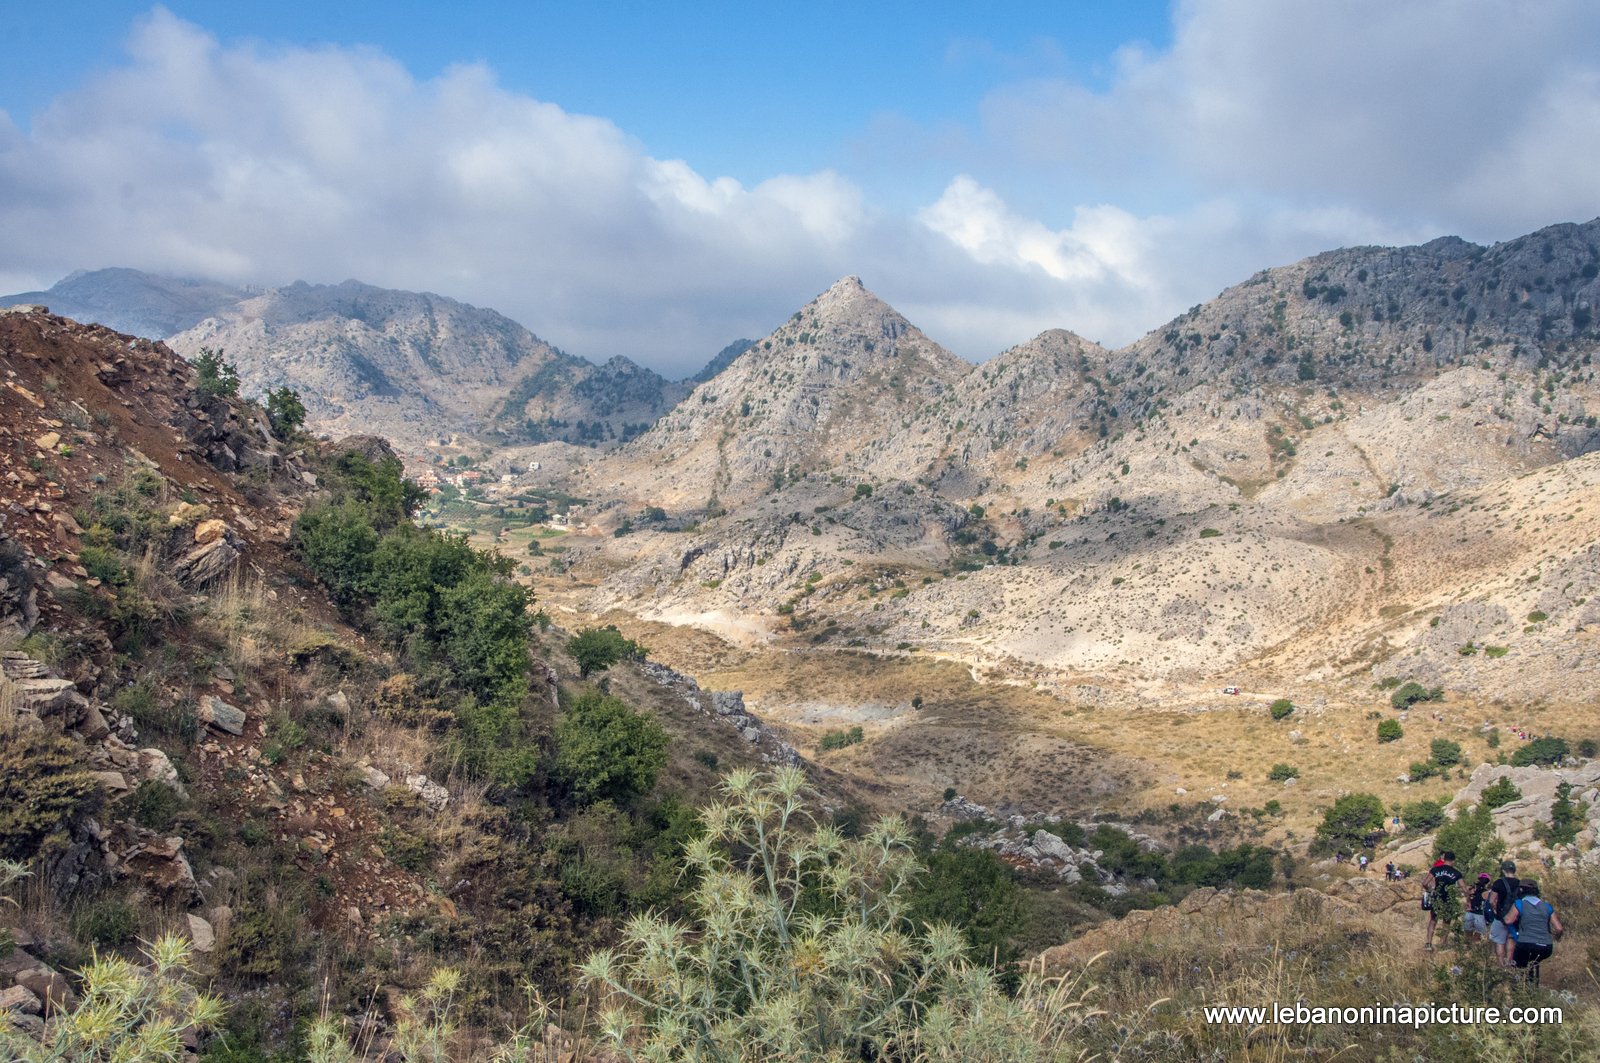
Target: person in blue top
column 1536, row 927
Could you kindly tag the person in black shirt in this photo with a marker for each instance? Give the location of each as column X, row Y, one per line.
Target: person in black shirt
column 1440, row 881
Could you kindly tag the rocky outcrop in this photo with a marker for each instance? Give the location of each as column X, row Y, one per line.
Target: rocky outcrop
column 727, row 708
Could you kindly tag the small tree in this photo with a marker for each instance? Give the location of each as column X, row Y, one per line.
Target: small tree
column 1283, row 772
column 605, row 750
column 285, row 411
column 1444, row 752
column 1411, row 693
column 598, row 648
column 217, row 377
column 1281, row 708
column 1347, row 824
column 1390, row 731
column 1566, row 819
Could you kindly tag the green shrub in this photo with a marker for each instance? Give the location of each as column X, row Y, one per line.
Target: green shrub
column 1546, row 751
column 840, row 739
column 44, row 787
column 1537, row 617
column 285, row 412
column 1283, row 772
column 1423, row 816
column 1566, row 819
column 216, row 377
column 1348, row 822
column 598, row 648
column 1444, row 752
column 1410, row 693
column 1471, row 836
column 1501, row 792
column 972, row 889
column 156, row 805
column 1496, row 651
column 107, row 922
column 607, row 751
column 1390, row 730
column 1209, row 533
column 799, row 948
column 1281, row 708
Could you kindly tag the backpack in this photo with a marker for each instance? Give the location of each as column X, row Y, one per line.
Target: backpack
column 1480, row 902
column 1506, row 889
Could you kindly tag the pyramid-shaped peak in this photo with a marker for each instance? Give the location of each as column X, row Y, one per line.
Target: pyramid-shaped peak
column 850, row 300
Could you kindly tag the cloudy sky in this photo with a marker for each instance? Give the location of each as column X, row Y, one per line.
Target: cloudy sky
column 656, row 180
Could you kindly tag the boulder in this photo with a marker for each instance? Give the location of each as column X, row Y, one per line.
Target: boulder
column 20, row 999
column 214, row 712
column 49, row 986
column 154, row 765
column 1053, row 847
column 727, row 702
column 161, row 864
column 209, row 531
column 373, row 777
column 433, row 795
column 206, row 564
column 201, row 935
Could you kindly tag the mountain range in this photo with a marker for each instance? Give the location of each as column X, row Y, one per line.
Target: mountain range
column 1368, row 463
column 416, row 367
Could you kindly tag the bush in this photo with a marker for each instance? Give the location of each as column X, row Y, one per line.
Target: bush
column 1347, row 824
column 606, row 751
column 1547, row 751
column 1390, row 731
column 840, row 739
column 1500, row 792
column 1566, row 819
column 216, row 377
column 598, row 648
column 1471, row 836
column 43, row 787
column 1444, row 752
column 1410, row 693
column 1283, row 772
column 1209, row 533
column 1423, row 816
column 285, row 412
column 1422, row 770
column 972, row 889
column 107, row 922
column 1281, row 708
column 799, row 948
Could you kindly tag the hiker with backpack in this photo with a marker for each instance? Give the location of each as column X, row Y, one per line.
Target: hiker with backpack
column 1502, row 895
column 1536, row 927
column 1441, row 879
column 1475, row 921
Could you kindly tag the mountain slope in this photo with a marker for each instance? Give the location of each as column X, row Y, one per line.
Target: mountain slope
column 413, row 366
column 1255, row 488
column 814, row 395
column 128, row 300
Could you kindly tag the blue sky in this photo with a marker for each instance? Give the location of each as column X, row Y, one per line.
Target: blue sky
column 654, row 180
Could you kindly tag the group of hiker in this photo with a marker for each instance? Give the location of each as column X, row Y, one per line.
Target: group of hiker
column 1521, row 927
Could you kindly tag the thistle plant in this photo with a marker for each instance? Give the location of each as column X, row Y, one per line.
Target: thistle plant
column 424, row 1030
column 129, row 1014
column 799, row 949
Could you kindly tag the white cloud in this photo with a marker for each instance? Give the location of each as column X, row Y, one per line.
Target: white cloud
column 1266, row 132
column 1474, row 115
